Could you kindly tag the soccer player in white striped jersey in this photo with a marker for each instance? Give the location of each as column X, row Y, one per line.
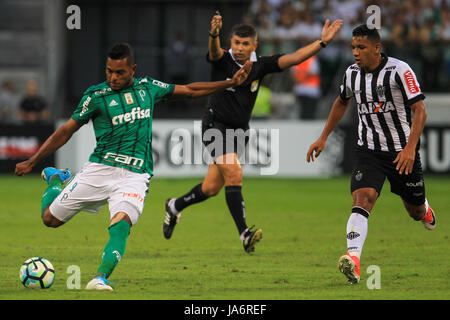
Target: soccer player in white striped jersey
column 386, row 90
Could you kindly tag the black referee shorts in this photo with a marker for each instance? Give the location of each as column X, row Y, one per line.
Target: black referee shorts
column 372, row 168
column 220, row 139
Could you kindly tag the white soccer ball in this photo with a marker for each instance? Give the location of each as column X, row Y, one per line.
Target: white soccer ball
column 43, row 176
column 38, row 273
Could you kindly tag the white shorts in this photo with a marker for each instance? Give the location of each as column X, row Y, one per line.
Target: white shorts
column 97, row 184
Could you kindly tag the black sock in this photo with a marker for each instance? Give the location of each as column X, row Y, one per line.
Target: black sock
column 194, row 196
column 235, row 201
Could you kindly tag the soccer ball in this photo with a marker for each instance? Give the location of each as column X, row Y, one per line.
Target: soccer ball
column 37, row 272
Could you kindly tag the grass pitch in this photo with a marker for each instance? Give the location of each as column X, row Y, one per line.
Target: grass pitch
column 304, row 233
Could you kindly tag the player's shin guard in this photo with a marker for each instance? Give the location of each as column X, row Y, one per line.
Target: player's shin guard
column 50, row 194
column 235, row 202
column 194, row 196
column 115, row 248
column 357, row 226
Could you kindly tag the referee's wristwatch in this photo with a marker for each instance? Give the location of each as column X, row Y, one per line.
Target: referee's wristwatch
column 322, row 44
column 213, row 35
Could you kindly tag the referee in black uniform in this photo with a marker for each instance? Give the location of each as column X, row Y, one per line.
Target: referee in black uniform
column 231, row 109
column 386, row 90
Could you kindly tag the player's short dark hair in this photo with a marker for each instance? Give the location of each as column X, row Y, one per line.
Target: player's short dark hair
column 364, row 30
column 121, row 51
column 244, row 31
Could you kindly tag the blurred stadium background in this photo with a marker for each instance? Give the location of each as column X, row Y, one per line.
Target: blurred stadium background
column 53, row 65
column 40, row 54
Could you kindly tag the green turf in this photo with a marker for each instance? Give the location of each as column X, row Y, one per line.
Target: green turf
column 303, row 222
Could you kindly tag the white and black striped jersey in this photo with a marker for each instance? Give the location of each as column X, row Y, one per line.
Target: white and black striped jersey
column 383, row 98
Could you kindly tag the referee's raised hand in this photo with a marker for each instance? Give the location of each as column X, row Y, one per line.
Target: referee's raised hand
column 330, row 30
column 216, row 24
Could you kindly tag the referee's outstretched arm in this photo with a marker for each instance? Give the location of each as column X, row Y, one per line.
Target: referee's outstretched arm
column 302, row 54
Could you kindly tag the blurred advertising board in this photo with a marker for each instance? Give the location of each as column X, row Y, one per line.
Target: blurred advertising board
column 19, row 142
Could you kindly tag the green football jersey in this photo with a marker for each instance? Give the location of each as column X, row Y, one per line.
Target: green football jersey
column 123, row 122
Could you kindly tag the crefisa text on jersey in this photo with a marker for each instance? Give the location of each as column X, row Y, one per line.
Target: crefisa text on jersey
column 230, row 310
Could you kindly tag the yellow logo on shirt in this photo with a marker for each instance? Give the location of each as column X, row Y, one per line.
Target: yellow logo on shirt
column 128, row 98
column 254, row 86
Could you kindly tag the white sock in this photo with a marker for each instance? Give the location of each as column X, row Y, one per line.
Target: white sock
column 242, row 236
column 172, row 206
column 357, row 226
column 426, row 208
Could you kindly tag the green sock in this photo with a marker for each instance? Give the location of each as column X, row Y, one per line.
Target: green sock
column 115, row 248
column 50, row 194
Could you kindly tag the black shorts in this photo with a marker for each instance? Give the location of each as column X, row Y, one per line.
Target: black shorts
column 372, row 168
column 220, row 139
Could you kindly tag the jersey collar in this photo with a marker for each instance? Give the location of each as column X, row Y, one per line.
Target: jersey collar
column 133, row 81
column 384, row 60
column 253, row 57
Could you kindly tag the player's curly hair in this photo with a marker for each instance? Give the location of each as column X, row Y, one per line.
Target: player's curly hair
column 364, row 30
column 121, row 51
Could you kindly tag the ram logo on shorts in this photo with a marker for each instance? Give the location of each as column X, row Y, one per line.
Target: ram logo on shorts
column 121, row 158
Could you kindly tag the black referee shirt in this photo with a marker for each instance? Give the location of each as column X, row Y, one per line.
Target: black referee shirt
column 233, row 106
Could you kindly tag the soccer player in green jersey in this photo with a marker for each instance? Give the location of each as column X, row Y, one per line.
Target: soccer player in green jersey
column 119, row 170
